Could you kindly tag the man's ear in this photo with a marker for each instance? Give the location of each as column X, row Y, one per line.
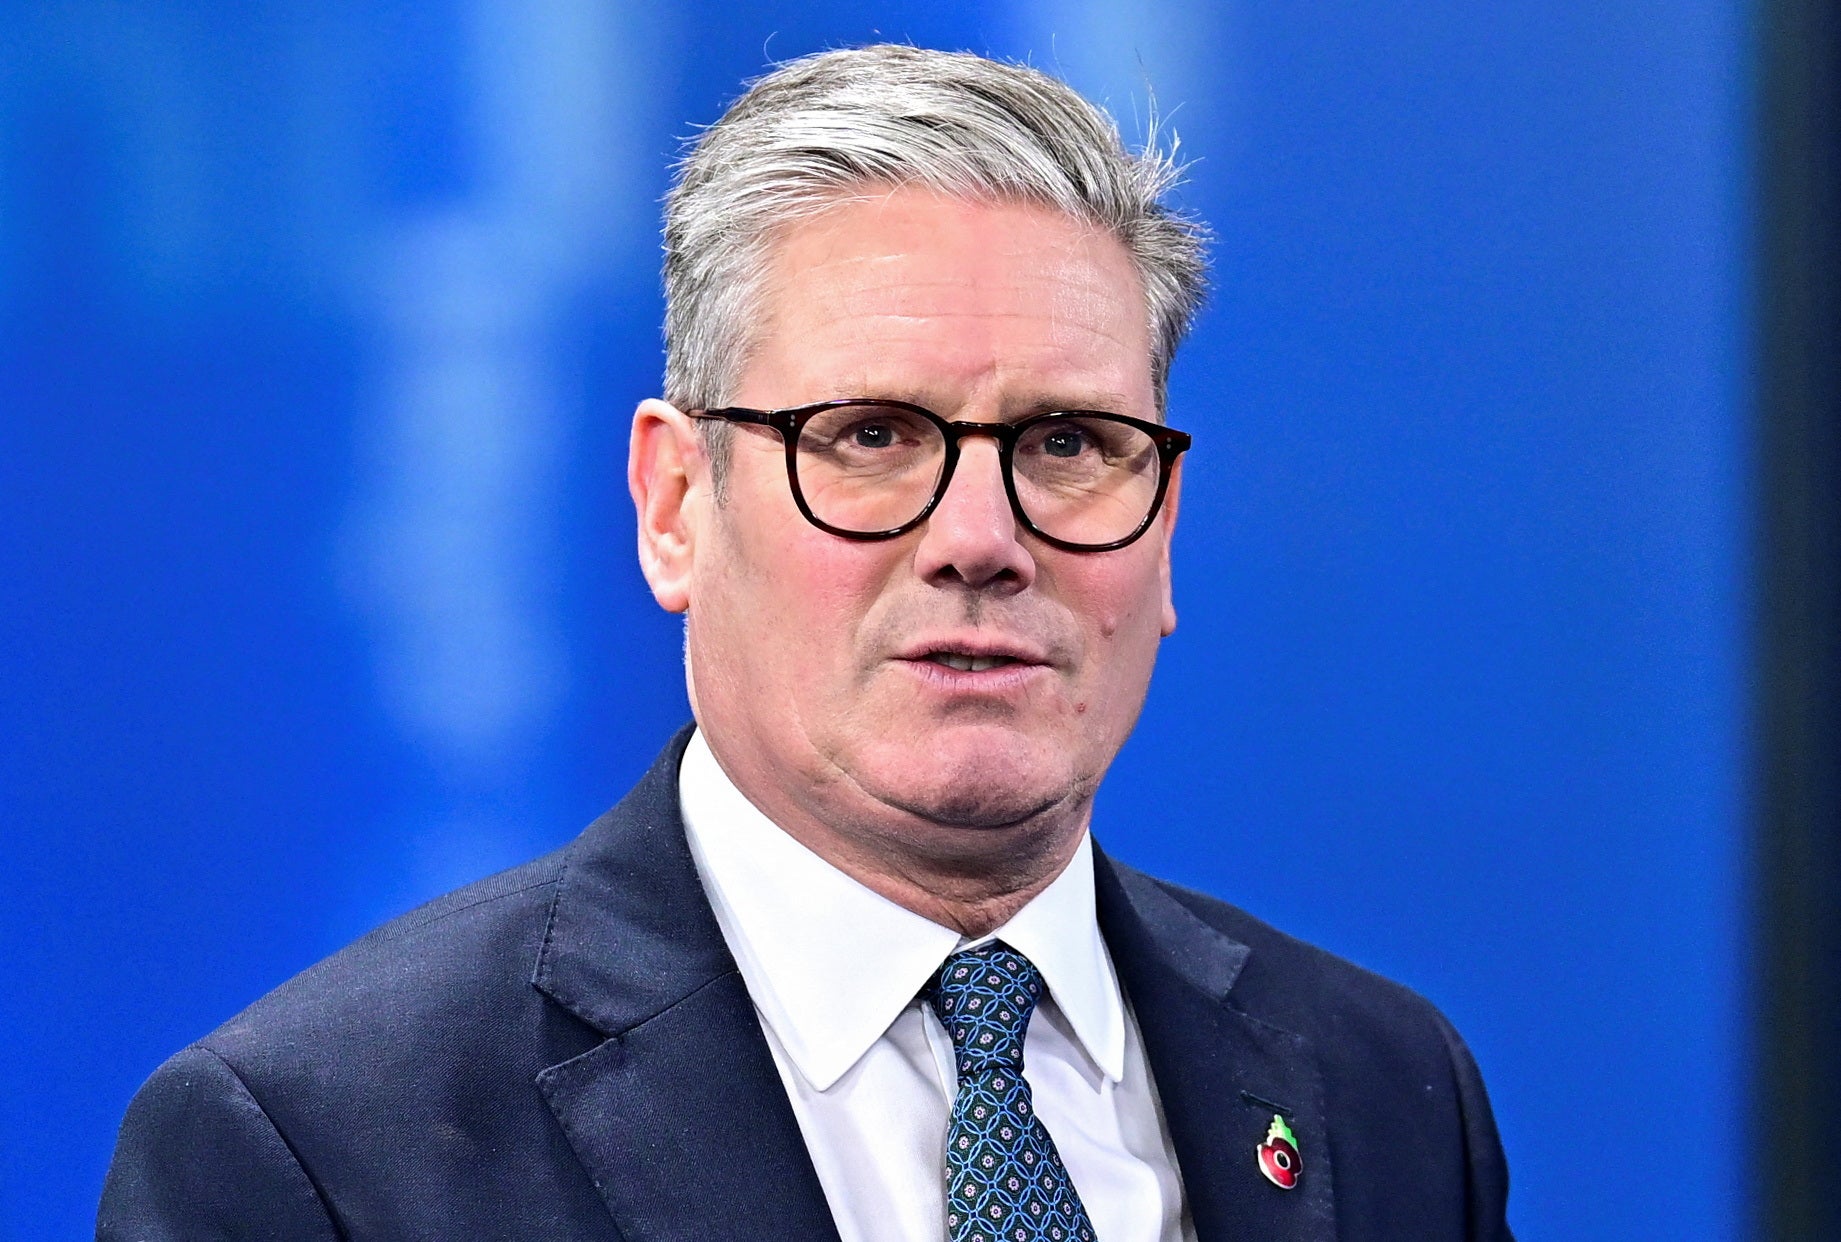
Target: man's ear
column 1166, row 517
column 664, row 459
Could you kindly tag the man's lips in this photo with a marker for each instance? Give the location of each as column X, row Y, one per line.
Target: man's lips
column 974, row 653
column 970, row 663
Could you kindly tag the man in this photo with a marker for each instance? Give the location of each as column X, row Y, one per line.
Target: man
column 846, row 963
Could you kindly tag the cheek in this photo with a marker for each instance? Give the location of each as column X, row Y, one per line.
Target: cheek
column 1123, row 605
column 1123, row 620
column 797, row 599
column 805, row 587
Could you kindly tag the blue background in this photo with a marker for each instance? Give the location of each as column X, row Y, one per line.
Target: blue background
column 319, row 330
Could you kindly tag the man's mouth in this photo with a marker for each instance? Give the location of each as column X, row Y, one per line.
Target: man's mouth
column 976, row 653
column 969, row 663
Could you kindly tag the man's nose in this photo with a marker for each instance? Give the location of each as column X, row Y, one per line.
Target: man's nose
column 972, row 536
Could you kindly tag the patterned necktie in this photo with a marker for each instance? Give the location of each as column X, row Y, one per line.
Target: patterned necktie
column 1004, row 1179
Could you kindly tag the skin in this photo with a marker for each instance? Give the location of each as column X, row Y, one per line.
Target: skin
column 959, row 795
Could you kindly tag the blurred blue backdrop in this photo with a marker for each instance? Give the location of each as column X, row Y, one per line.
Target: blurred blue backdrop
column 319, row 330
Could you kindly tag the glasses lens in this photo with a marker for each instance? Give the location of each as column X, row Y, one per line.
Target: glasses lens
column 868, row 468
column 1086, row 479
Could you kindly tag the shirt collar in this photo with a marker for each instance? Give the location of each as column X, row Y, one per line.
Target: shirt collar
column 1059, row 931
column 831, row 964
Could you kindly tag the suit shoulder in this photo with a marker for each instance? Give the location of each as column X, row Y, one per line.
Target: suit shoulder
column 399, row 1058
column 1300, row 986
column 197, row 1155
column 445, row 964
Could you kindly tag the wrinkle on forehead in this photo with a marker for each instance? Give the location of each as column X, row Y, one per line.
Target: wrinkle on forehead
column 1072, row 281
column 859, row 303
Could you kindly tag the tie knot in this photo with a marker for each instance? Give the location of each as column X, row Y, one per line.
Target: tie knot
column 984, row 998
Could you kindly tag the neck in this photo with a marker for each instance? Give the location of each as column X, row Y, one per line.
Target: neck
column 973, row 897
column 971, row 879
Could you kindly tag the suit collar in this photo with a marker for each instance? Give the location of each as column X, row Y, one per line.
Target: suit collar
column 679, row 1115
column 1220, row 1071
column 630, row 933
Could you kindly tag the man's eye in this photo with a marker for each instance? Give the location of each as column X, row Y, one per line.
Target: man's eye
column 873, row 435
column 1065, row 442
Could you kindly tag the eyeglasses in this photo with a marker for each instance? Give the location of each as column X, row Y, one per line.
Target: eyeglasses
column 862, row 468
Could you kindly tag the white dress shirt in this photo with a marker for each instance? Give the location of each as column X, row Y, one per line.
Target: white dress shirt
column 834, row 968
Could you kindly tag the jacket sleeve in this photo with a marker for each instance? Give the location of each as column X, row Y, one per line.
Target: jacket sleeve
column 198, row 1160
column 1486, row 1168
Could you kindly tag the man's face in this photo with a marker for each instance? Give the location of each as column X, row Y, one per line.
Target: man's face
column 820, row 666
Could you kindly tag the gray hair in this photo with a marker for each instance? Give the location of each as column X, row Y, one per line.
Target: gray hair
column 818, row 128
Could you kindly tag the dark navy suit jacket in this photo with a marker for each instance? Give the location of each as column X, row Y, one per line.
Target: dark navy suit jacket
column 566, row 1051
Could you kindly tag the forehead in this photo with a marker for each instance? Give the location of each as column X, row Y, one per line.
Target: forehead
column 906, row 293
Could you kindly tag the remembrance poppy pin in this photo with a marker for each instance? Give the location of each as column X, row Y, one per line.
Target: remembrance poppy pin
column 1278, row 1155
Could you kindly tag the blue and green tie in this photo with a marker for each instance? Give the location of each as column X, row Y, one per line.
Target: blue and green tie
column 1004, row 1179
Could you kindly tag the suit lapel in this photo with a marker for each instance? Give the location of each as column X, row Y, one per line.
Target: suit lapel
column 679, row 1115
column 1220, row 1072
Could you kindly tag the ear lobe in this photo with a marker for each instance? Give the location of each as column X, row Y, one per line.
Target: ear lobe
column 662, row 455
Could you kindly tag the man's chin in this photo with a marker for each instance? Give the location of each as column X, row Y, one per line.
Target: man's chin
column 968, row 781
column 973, row 808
